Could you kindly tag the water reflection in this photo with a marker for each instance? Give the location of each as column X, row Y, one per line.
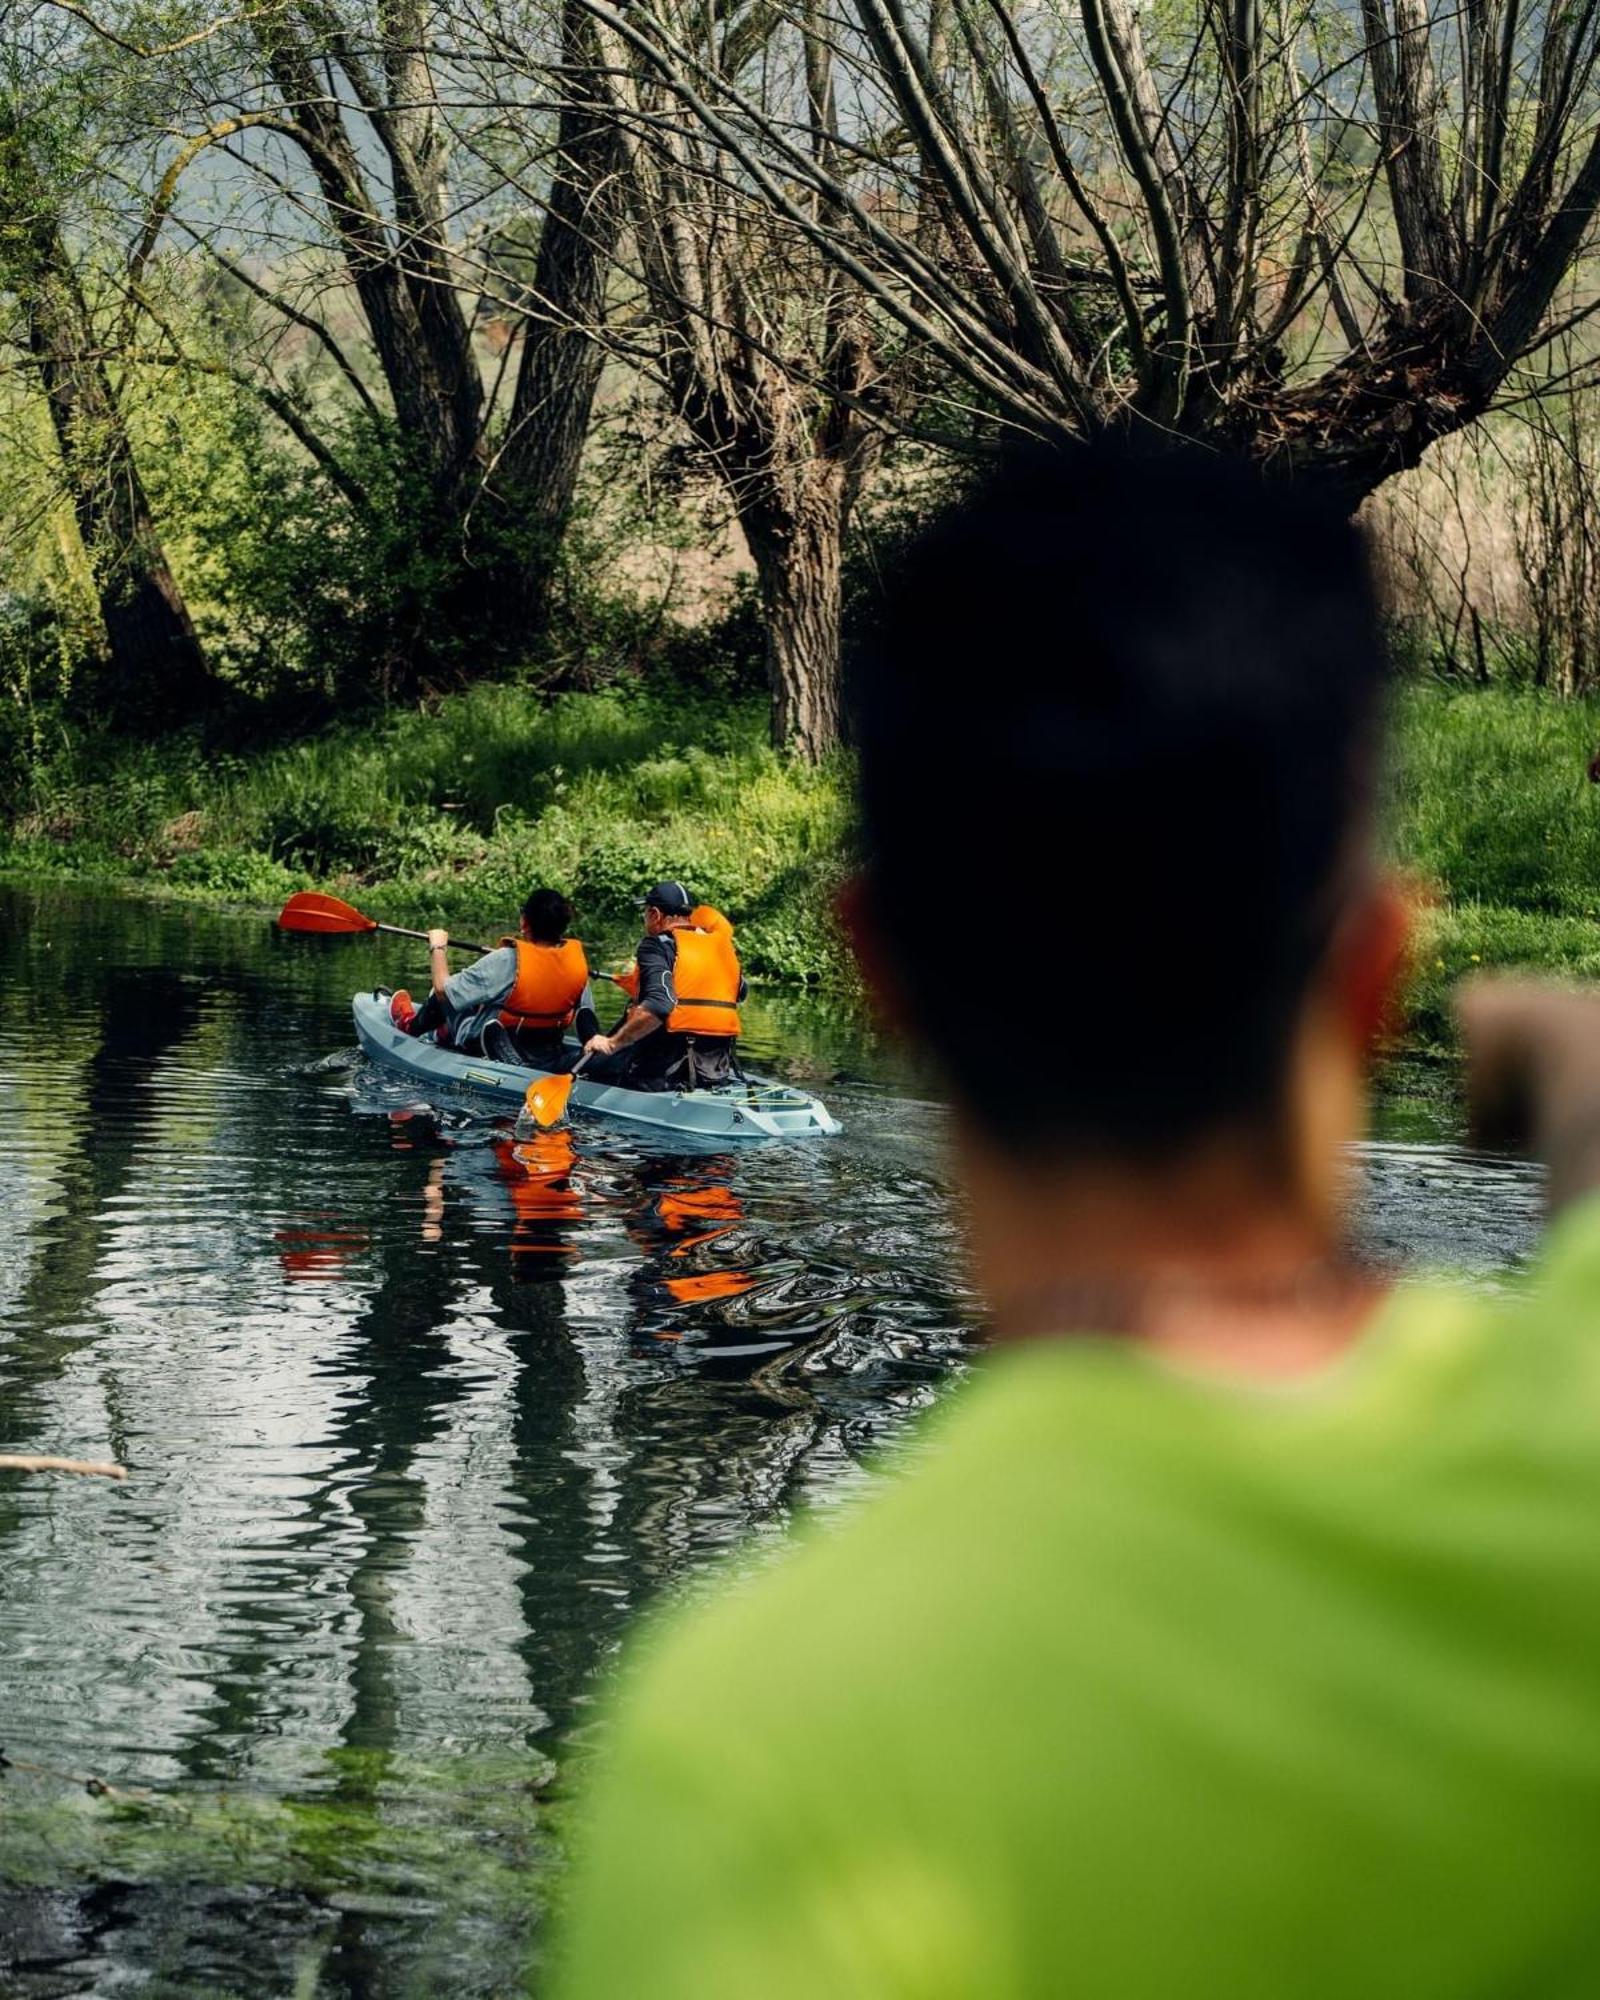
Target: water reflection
column 404, row 1393
column 538, row 1173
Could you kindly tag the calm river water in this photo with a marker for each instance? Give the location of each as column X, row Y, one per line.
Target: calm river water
column 416, row 1425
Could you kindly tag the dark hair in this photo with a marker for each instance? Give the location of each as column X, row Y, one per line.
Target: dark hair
column 1117, row 725
column 548, row 915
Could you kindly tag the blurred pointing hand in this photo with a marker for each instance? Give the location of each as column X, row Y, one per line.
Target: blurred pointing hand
column 1533, row 1076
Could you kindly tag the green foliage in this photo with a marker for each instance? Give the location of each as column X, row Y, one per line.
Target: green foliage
column 453, row 815
column 1455, row 942
column 1493, row 802
column 1492, row 807
column 232, row 873
column 298, row 587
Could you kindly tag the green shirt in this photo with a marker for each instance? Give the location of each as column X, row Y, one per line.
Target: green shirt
column 1133, row 1683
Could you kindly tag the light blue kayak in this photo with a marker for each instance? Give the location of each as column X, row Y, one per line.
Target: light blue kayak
column 754, row 1109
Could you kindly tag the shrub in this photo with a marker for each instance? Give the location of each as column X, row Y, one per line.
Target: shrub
column 234, row 873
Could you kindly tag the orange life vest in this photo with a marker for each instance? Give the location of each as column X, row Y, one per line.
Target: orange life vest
column 550, row 983
column 706, row 977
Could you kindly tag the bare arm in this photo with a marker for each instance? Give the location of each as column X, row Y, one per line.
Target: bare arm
column 640, row 1022
column 654, row 1002
column 438, row 960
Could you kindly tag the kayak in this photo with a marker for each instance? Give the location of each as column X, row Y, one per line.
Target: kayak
column 752, row 1109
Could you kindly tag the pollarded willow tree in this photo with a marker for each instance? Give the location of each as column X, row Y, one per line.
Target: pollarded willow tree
column 338, row 114
column 766, row 351
column 1324, row 236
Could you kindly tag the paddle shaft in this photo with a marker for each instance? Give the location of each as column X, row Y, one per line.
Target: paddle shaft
column 456, row 944
column 312, row 911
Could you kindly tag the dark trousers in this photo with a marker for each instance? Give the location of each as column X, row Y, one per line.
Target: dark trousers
column 429, row 1017
column 667, row 1061
column 545, row 1048
column 549, row 1049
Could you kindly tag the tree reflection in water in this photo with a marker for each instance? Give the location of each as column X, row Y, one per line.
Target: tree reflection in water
column 419, row 1415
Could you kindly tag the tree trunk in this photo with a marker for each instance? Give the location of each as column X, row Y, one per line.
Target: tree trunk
column 561, row 362
column 158, row 668
column 795, row 529
column 401, row 277
column 157, row 665
column 1370, row 416
column 415, row 137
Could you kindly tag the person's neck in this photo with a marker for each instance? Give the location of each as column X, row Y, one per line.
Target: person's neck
column 1215, row 1260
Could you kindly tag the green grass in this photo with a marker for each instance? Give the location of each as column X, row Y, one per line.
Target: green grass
column 1491, row 807
column 453, row 815
column 1492, row 800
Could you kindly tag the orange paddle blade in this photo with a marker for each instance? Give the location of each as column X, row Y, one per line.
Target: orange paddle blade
column 546, row 1101
column 311, row 912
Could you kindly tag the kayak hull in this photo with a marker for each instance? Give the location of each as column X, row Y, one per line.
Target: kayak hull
column 757, row 1109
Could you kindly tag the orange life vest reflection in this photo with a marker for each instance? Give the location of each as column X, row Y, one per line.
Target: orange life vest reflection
column 537, row 1173
column 695, row 1216
column 696, row 1289
column 695, row 1207
column 318, row 1253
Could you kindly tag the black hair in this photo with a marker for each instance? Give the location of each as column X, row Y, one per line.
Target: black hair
column 1117, row 722
column 548, row 915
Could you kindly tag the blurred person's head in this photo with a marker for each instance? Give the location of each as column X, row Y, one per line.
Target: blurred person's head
column 546, row 916
column 1119, row 733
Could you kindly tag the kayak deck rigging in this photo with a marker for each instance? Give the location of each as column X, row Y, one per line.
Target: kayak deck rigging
column 755, row 1109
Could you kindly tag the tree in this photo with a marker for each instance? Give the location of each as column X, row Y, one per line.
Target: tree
column 1325, row 238
column 760, row 346
column 353, row 126
column 503, row 501
column 563, row 353
column 157, row 666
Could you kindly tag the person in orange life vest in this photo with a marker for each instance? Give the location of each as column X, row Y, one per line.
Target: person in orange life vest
column 535, row 986
column 685, row 986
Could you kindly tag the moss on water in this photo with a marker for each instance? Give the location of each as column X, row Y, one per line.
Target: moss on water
column 440, row 1866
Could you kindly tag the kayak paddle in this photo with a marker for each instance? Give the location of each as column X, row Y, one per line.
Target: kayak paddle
column 546, row 1101
column 327, row 916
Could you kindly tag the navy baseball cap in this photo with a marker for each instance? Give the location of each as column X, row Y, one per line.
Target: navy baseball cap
column 670, row 898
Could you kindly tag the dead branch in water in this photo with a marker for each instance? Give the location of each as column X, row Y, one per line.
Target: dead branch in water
column 97, row 1468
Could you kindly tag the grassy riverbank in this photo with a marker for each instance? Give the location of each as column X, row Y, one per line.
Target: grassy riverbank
column 449, row 815
column 1492, row 809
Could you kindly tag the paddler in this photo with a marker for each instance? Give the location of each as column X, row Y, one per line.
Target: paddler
column 684, row 986
column 517, row 1001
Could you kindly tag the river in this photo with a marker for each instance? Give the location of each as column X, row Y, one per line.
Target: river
column 417, row 1424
